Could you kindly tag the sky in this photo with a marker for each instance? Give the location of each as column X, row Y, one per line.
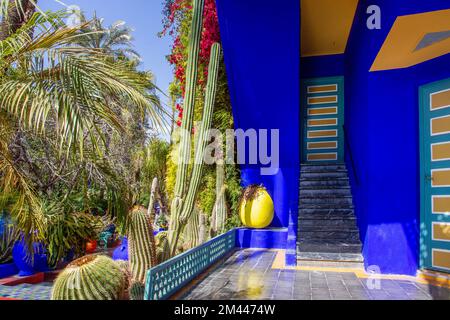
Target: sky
column 144, row 16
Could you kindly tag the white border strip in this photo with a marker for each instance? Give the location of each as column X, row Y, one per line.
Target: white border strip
column 432, row 230
column 431, row 100
column 432, row 258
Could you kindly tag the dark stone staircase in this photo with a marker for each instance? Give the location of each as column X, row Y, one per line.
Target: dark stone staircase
column 327, row 229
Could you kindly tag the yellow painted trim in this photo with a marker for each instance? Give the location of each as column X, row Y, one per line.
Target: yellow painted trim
column 326, row 26
column 423, row 276
column 399, row 48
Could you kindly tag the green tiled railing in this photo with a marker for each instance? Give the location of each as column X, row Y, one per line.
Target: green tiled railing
column 167, row 278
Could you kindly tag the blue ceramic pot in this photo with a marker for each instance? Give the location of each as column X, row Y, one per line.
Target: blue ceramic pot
column 121, row 252
column 24, row 264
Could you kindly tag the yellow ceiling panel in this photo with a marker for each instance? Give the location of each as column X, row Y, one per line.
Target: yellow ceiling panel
column 326, row 26
column 404, row 46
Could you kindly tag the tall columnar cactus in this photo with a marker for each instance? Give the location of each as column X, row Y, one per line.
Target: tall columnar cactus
column 183, row 201
column 91, row 278
column 141, row 244
column 162, row 247
column 153, row 195
column 202, row 228
column 220, row 207
column 191, row 232
column 186, row 125
column 182, row 210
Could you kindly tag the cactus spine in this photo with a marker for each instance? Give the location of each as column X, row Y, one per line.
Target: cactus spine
column 91, row 278
column 142, row 250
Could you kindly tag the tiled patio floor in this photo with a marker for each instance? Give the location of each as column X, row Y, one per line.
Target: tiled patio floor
column 248, row 275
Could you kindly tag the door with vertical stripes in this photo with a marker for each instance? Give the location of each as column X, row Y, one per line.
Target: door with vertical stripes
column 323, row 120
column 435, row 176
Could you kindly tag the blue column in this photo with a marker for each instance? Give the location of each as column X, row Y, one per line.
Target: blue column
column 261, row 42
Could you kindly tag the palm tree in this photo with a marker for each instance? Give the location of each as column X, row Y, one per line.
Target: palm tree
column 116, row 39
column 52, row 89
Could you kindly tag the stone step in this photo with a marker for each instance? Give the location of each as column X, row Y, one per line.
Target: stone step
column 343, row 228
column 325, row 192
column 322, row 169
column 317, row 235
column 335, row 201
column 326, row 213
column 327, row 175
column 320, row 183
column 313, row 166
column 321, row 224
column 329, row 246
column 325, row 206
column 338, row 259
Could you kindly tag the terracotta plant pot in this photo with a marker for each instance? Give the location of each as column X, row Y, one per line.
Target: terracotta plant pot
column 91, row 246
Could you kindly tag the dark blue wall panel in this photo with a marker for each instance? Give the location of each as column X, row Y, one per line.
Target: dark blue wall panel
column 382, row 117
column 261, row 43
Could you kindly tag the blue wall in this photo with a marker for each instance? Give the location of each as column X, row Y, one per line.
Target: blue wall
column 261, row 44
column 382, row 117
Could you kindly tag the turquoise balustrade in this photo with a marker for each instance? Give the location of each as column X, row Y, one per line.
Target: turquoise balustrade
column 167, row 278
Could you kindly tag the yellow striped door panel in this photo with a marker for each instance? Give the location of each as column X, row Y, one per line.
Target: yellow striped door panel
column 440, row 151
column 440, row 125
column 322, row 145
column 441, row 259
column 322, row 100
column 323, row 88
column 322, row 156
column 441, row 231
column 440, row 100
column 440, row 177
column 322, row 111
column 323, row 122
column 322, row 134
column 440, row 204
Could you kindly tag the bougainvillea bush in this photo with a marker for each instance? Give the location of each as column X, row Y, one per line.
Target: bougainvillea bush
column 176, row 24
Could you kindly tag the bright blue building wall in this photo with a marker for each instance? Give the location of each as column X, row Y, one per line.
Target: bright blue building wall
column 261, row 43
column 382, row 117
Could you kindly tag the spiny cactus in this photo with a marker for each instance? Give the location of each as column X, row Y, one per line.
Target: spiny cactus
column 186, row 125
column 162, row 247
column 136, row 291
column 220, row 207
column 153, row 192
column 92, row 277
column 202, row 230
column 182, row 207
column 141, row 244
column 191, row 232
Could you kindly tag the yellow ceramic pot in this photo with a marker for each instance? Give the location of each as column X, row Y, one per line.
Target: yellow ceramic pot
column 257, row 212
